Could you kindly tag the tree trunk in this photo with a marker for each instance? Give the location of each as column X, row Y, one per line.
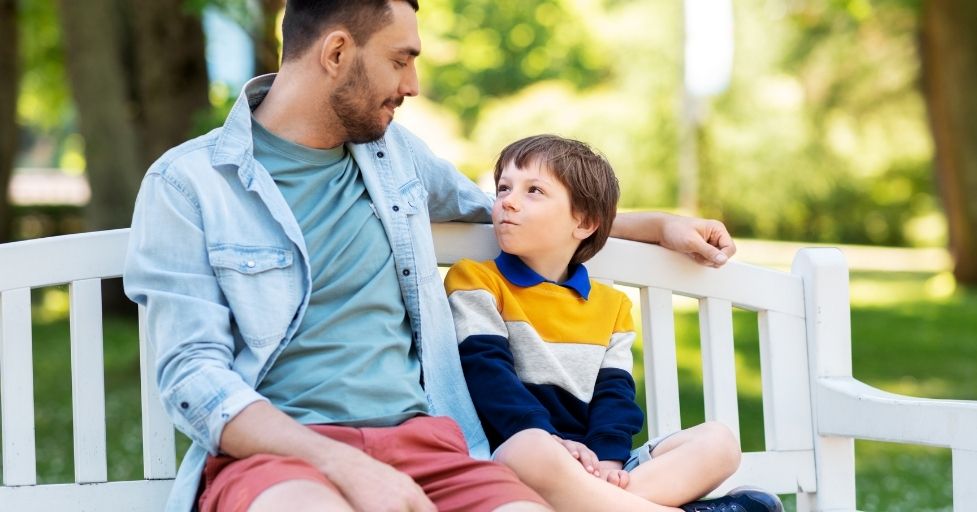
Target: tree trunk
column 9, row 86
column 93, row 35
column 138, row 76
column 949, row 54
column 266, row 38
column 169, row 71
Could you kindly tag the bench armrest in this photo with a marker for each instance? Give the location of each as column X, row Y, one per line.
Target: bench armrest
column 848, row 407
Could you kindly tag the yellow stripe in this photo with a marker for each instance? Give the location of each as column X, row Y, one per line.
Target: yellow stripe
column 558, row 314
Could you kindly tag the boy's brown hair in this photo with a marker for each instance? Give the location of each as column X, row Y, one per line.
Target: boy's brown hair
column 585, row 173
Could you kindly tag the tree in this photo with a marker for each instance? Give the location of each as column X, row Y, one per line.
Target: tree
column 948, row 46
column 138, row 75
column 9, row 86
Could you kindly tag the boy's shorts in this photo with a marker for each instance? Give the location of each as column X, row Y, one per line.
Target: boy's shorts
column 430, row 449
column 642, row 453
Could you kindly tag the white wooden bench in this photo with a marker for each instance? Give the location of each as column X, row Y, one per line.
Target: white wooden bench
column 812, row 407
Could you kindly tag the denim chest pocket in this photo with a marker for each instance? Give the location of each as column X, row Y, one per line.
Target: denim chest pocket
column 259, row 285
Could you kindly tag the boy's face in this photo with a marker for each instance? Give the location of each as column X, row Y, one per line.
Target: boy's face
column 532, row 215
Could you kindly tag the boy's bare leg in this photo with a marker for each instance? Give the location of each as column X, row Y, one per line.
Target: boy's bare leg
column 299, row 496
column 687, row 465
column 546, row 466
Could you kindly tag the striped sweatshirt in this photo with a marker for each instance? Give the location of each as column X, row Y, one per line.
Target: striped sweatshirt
column 538, row 354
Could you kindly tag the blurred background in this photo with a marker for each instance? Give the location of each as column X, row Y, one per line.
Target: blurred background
column 843, row 122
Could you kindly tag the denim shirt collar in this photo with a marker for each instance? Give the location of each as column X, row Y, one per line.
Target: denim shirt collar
column 518, row 273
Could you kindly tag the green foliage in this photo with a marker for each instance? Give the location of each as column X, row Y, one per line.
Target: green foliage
column 44, row 100
column 475, row 50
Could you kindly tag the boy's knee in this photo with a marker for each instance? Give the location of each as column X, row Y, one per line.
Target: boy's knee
column 722, row 443
column 535, row 456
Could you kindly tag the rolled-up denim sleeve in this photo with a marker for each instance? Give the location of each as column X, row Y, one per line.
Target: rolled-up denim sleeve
column 452, row 196
column 189, row 323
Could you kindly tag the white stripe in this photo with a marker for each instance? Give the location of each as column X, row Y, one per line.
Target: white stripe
column 571, row 366
column 475, row 312
column 619, row 352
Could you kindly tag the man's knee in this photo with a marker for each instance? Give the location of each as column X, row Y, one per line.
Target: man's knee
column 299, row 496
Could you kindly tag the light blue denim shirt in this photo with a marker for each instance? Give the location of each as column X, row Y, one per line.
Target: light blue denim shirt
column 219, row 261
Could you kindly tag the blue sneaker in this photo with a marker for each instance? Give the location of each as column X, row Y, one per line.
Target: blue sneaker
column 741, row 499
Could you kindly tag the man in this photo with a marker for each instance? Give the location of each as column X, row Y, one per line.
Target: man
column 302, row 333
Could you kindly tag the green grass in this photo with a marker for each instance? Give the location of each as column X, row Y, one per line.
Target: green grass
column 912, row 334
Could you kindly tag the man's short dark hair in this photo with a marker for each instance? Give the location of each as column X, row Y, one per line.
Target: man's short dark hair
column 306, row 20
column 585, row 173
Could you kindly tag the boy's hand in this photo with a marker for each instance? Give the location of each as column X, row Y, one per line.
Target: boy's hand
column 611, row 472
column 587, row 458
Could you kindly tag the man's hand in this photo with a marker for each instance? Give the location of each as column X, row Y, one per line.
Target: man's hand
column 705, row 241
column 611, row 472
column 369, row 484
column 584, row 455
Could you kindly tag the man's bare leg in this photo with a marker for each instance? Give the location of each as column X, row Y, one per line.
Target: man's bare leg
column 300, row 496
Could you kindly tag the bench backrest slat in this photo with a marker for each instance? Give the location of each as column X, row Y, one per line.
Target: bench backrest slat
column 87, row 380
column 158, row 449
column 17, row 388
column 719, row 362
column 785, row 380
column 660, row 362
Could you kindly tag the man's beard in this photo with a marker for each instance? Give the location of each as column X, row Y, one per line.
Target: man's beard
column 352, row 103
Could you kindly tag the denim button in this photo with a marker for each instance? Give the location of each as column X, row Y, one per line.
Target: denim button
column 406, row 272
column 379, row 154
column 396, row 208
column 184, row 405
column 250, row 263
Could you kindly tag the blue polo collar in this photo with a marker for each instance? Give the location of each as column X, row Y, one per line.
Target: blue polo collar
column 519, row 274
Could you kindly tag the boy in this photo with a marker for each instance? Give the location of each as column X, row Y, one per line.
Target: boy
column 547, row 353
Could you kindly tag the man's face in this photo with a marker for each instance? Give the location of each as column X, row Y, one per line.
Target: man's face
column 379, row 78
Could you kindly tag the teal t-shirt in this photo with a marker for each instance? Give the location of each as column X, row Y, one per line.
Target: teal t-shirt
column 352, row 360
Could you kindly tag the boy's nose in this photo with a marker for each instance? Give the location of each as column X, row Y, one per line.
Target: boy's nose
column 509, row 202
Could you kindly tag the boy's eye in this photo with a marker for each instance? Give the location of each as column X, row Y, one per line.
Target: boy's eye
column 502, row 188
column 535, row 190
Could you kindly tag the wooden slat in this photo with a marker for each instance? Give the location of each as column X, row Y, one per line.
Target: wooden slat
column 786, row 472
column 964, row 477
column 719, row 362
column 17, row 388
column 62, row 259
column 158, row 448
column 87, row 380
column 135, row 496
column 660, row 363
column 786, row 385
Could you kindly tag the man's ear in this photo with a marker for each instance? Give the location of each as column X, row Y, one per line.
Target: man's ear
column 335, row 50
column 584, row 228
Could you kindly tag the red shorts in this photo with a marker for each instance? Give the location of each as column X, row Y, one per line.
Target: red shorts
column 430, row 449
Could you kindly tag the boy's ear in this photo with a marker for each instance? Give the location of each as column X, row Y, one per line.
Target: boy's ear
column 335, row 51
column 585, row 228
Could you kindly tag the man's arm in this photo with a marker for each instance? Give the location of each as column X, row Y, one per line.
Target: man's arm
column 705, row 241
column 261, row 428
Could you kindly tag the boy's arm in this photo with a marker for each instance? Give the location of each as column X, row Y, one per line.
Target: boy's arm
column 614, row 416
column 502, row 401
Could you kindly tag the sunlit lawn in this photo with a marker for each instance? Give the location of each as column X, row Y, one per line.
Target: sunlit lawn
column 911, row 334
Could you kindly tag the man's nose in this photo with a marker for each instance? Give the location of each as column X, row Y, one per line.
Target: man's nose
column 409, row 85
